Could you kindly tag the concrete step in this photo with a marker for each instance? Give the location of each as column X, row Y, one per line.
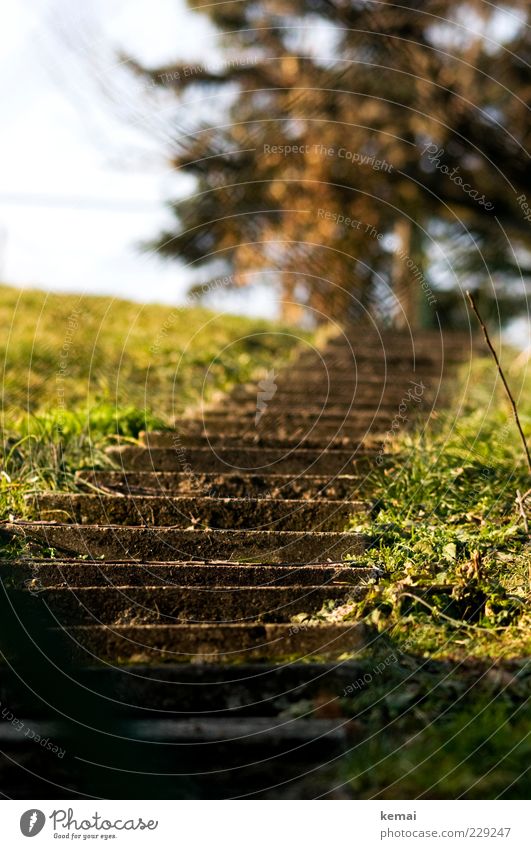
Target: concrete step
column 215, row 643
column 303, row 407
column 301, row 414
column 176, row 759
column 360, row 338
column 224, row 485
column 344, row 362
column 253, row 437
column 351, row 422
column 116, row 542
column 245, row 732
column 35, row 574
column 334, row 396
column 177, row 690
column 278, row 428
column 188, row 512
column 335, row 380
column 241, row 459
column 172, row 605
column 266, row 435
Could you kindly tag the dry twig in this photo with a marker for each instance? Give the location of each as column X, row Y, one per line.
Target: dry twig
column 504, row 381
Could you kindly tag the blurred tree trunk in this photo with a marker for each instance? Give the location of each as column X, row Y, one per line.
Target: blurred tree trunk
column 291, row 311
column 403, row 283
column 441, row 133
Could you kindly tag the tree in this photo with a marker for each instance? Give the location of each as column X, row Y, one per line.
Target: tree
column 340, row 173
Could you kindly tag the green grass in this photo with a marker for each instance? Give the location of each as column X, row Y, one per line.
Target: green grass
column 448, row 531
column 70, row 352
column 79, row 371
column 472, row 747
column 442, row 715
column 442, row 712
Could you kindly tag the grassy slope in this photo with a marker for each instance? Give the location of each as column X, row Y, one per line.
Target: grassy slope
column 449, row 690
column 437, row 713
column 79, row 370
column 122, row 353
column 448, row 516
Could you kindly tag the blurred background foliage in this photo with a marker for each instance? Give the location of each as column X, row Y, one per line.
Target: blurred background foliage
column 411, row 119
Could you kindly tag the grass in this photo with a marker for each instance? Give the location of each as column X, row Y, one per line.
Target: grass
column 440, row 711
column 78, row 371
column 446, row 716
column 448, row 531
column 469, row 748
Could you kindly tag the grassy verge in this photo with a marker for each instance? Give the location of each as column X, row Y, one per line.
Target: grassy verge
column 441, row 705
column 79, row 371
column 450, row 536
column 451, row 741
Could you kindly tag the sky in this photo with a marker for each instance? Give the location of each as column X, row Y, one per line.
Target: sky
column 83, row 170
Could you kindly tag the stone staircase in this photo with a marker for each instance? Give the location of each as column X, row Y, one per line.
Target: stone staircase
column 191, row 621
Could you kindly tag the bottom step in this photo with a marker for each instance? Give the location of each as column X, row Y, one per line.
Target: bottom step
column 245, row 731
column 183, row 759
column 215, row 643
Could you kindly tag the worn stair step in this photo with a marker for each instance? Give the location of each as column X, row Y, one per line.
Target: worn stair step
column 215, row 643
column 217, row 420
column 336, row 381
column 352, row 414
column 394, row 357
column 263, row 437
column 168, row 605
column 35, row 574
column 332, row 371
column 334, row 396
column 224, row 485
column 319, row 402
column 241, row 459
column 131, row 543
column 343, row 362
column 368, row 357
column 244, row 732
column 355, row 376
column 187, row 512
column 304, row 408
column 225, row 770
column 269, row 427
column 368, row 353
column 293, row 380
column 396, row 340
column 178, row 690
column 362, row 335
column 269, row 435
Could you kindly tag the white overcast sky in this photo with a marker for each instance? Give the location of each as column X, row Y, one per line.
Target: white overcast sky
column 80, row 183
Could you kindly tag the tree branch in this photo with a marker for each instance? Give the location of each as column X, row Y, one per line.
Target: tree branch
column 504, row 381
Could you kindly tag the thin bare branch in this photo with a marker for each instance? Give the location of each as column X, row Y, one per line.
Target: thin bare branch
column 504, row 381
